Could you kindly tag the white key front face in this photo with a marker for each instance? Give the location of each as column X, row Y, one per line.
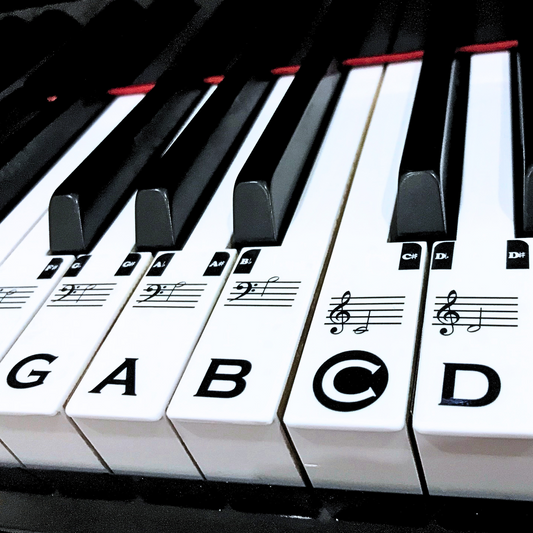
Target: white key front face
column 474, row 402
column 347, row 409
column 226, row 405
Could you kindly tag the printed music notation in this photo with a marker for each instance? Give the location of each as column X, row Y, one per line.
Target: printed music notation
column 364, row 312
column 16, row 296
column 272, row 292
column 82, row 295
column 179, row 295
column 474, row 312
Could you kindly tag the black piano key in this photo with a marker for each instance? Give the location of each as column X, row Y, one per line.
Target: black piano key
column 269, row 185
column 86, row 205
column 431, row 167
column 184, row 179
column 163, row 21
column 84, row 61
column 68, row 73
column 32, row 42
column 413, row 26
column 368, row 29
column 83, row 206
column 522, row 115
column 492, row 21
column 88, row 200
column 21, row 124
column 19, row 173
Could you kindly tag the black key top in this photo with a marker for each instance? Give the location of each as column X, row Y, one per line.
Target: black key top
column 162, row 21
column 19, row 173
column 412, row 27
column 522, row 115
column 92, row 195
column 183, row 181
column 32, row 42
column 179, row 187
column 271, row 181
column 431, row 167
column 368, row 28
column 83, row 206
column 67, row 75
column 83, row 63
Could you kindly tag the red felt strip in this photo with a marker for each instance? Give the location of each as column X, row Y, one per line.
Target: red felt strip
column 285, row 71
column 488, row 47
column 214, row 80
column 132, row 89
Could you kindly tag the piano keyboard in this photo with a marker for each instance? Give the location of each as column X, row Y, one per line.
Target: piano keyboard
column 291, row 299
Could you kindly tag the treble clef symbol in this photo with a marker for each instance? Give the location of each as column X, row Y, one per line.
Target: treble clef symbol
column 339, row 314
column 446, row 316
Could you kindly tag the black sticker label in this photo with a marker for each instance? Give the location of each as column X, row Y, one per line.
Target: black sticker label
column 160, row 264
column 410, row 258
column 443, row 256
column 128, row 265
column 517, row 254
column 76, row 267
column 246, row 262
column 217, row 264
column 51, row 268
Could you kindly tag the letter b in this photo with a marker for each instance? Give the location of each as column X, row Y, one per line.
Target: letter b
column 212, row 375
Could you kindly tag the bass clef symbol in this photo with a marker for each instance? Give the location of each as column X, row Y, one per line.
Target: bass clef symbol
column 340, row 315
column 447, row 316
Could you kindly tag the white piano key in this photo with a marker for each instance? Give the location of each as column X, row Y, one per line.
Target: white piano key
column 226, row 405
column 43, row 366
column 27, row 278
column 472, row 413
column 158, row 329
column 34, row 205
column 347, row 409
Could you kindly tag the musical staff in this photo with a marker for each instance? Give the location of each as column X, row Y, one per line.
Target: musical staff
column 82, row 295
column 179, row 295
column 14, row 297
column 272, row 292
column 474, row 312
column 364, row 312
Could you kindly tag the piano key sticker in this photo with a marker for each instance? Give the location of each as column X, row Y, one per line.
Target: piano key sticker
column 82, row 295
column 272, row 292
column 350, row 381
column 181, row 295
column 474, row 312
column 15, row 297
column 363, row 312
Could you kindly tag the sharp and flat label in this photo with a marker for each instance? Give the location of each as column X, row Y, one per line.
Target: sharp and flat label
column 517, row 255
column 217, row 264
column 443, row 256
column 410, row 258
column 77, row 266
column 51, row 268
column 246, row 262
column 160, row 264
column 128, row 265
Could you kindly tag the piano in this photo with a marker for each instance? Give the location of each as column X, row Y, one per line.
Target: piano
column 300, row 241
